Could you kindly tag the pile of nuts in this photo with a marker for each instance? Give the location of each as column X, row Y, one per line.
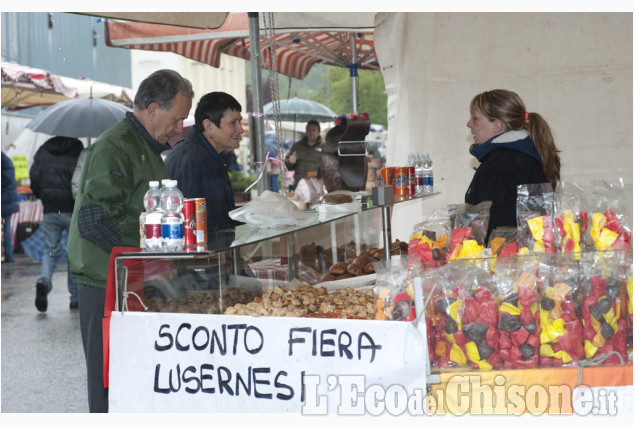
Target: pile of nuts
column 306, row 300
column 201, row 302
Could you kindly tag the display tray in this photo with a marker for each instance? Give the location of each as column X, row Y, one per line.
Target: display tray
column 362, row 282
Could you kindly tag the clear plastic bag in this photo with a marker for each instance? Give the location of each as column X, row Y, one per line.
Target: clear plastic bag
column 272, row 210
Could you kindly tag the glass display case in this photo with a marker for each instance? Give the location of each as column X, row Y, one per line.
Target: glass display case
column 241, row 264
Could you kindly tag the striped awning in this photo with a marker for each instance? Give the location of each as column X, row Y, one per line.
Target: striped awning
column 297, row 50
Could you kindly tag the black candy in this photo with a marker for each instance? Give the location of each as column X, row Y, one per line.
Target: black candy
column 509, row 323
column 451, row 326
column 402, row 309
column 547, row 304
column 475, row 331
column 612, row 287
column 484, row 350
column 444, row 303
column 607, row 330
column 526, row 350
column 530, row 327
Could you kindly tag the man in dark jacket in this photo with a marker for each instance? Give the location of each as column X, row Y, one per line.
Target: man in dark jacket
column 196, row 163
column 10, row 205
column 51, row 175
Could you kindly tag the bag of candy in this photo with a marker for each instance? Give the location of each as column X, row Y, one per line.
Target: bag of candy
column 561, row 333
column 429, row 239
column 469, row 228
column 535, row 204
column 571, row 217
column 610, row 220
column 466, row 318
column 604, row 305
column 517, row 282
column 395, row 294
column 502, row 241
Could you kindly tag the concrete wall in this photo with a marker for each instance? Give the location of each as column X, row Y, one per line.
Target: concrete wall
column 575, row 69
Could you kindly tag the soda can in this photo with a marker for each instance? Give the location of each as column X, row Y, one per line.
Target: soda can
column 189, row 224
column 387, row 176
column 412, row 180
column 400, row 181
column 201, row 222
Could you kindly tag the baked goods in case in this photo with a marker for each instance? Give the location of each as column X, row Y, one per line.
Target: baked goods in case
column 336, row 198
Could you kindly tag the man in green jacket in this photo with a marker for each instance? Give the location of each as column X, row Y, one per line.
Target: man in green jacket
column 116, row 173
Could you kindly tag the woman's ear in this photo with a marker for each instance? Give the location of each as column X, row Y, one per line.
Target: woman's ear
column 498, row 126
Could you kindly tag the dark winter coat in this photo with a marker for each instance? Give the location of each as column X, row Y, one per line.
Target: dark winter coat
column 309, row 159
column 507, row 161
column 200, row 172
column 52, row 171
column 10, row 202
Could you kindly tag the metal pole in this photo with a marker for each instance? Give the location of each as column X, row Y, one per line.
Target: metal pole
column 256, row 84
column 353, row 69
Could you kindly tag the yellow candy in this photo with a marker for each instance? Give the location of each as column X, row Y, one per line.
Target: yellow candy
column 410, row 291
column 456, row 355
column 629, row 290
column 589, row 349
column 472, row 352
column 470, row 249
column 570, row 226
column 425, row 239
column 546, row 350
column 509, row 308
column 483, row 364
column 563, row 355
column 606, row 239
column 539, row 246
column 598, row 220
column 536, row 227
column 453, row 312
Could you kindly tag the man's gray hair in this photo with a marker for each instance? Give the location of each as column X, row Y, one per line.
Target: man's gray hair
column 162, row 86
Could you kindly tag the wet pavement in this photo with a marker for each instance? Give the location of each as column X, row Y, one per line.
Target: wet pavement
column 42, row 360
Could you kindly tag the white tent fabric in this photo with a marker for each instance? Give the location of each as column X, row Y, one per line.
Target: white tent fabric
column 575, row 69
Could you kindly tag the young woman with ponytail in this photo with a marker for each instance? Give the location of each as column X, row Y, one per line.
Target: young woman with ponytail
column 513, row 147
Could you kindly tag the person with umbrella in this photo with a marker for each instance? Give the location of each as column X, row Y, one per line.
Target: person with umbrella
column 305, row 156
column 50, row 174
column 115, row 176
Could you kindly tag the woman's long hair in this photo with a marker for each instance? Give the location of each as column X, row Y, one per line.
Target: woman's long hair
column 507, row 106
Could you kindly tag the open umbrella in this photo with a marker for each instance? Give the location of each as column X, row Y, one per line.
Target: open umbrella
column 301, row 110
column 88, row 117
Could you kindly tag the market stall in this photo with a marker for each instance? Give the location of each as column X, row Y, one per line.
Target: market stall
column 536, row 323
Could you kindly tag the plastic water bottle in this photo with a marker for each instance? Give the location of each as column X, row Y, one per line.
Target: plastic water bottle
column 419, row 175
column 428, row 178
column 152, row 224
column 172, row 218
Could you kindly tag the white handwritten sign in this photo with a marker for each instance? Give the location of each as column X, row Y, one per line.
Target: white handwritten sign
column 166, row 362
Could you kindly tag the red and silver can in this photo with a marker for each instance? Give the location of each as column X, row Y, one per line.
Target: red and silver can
column 387, row 176
column 200, row 207
column 189, row 225
column 412, row 180
column 400, row 181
